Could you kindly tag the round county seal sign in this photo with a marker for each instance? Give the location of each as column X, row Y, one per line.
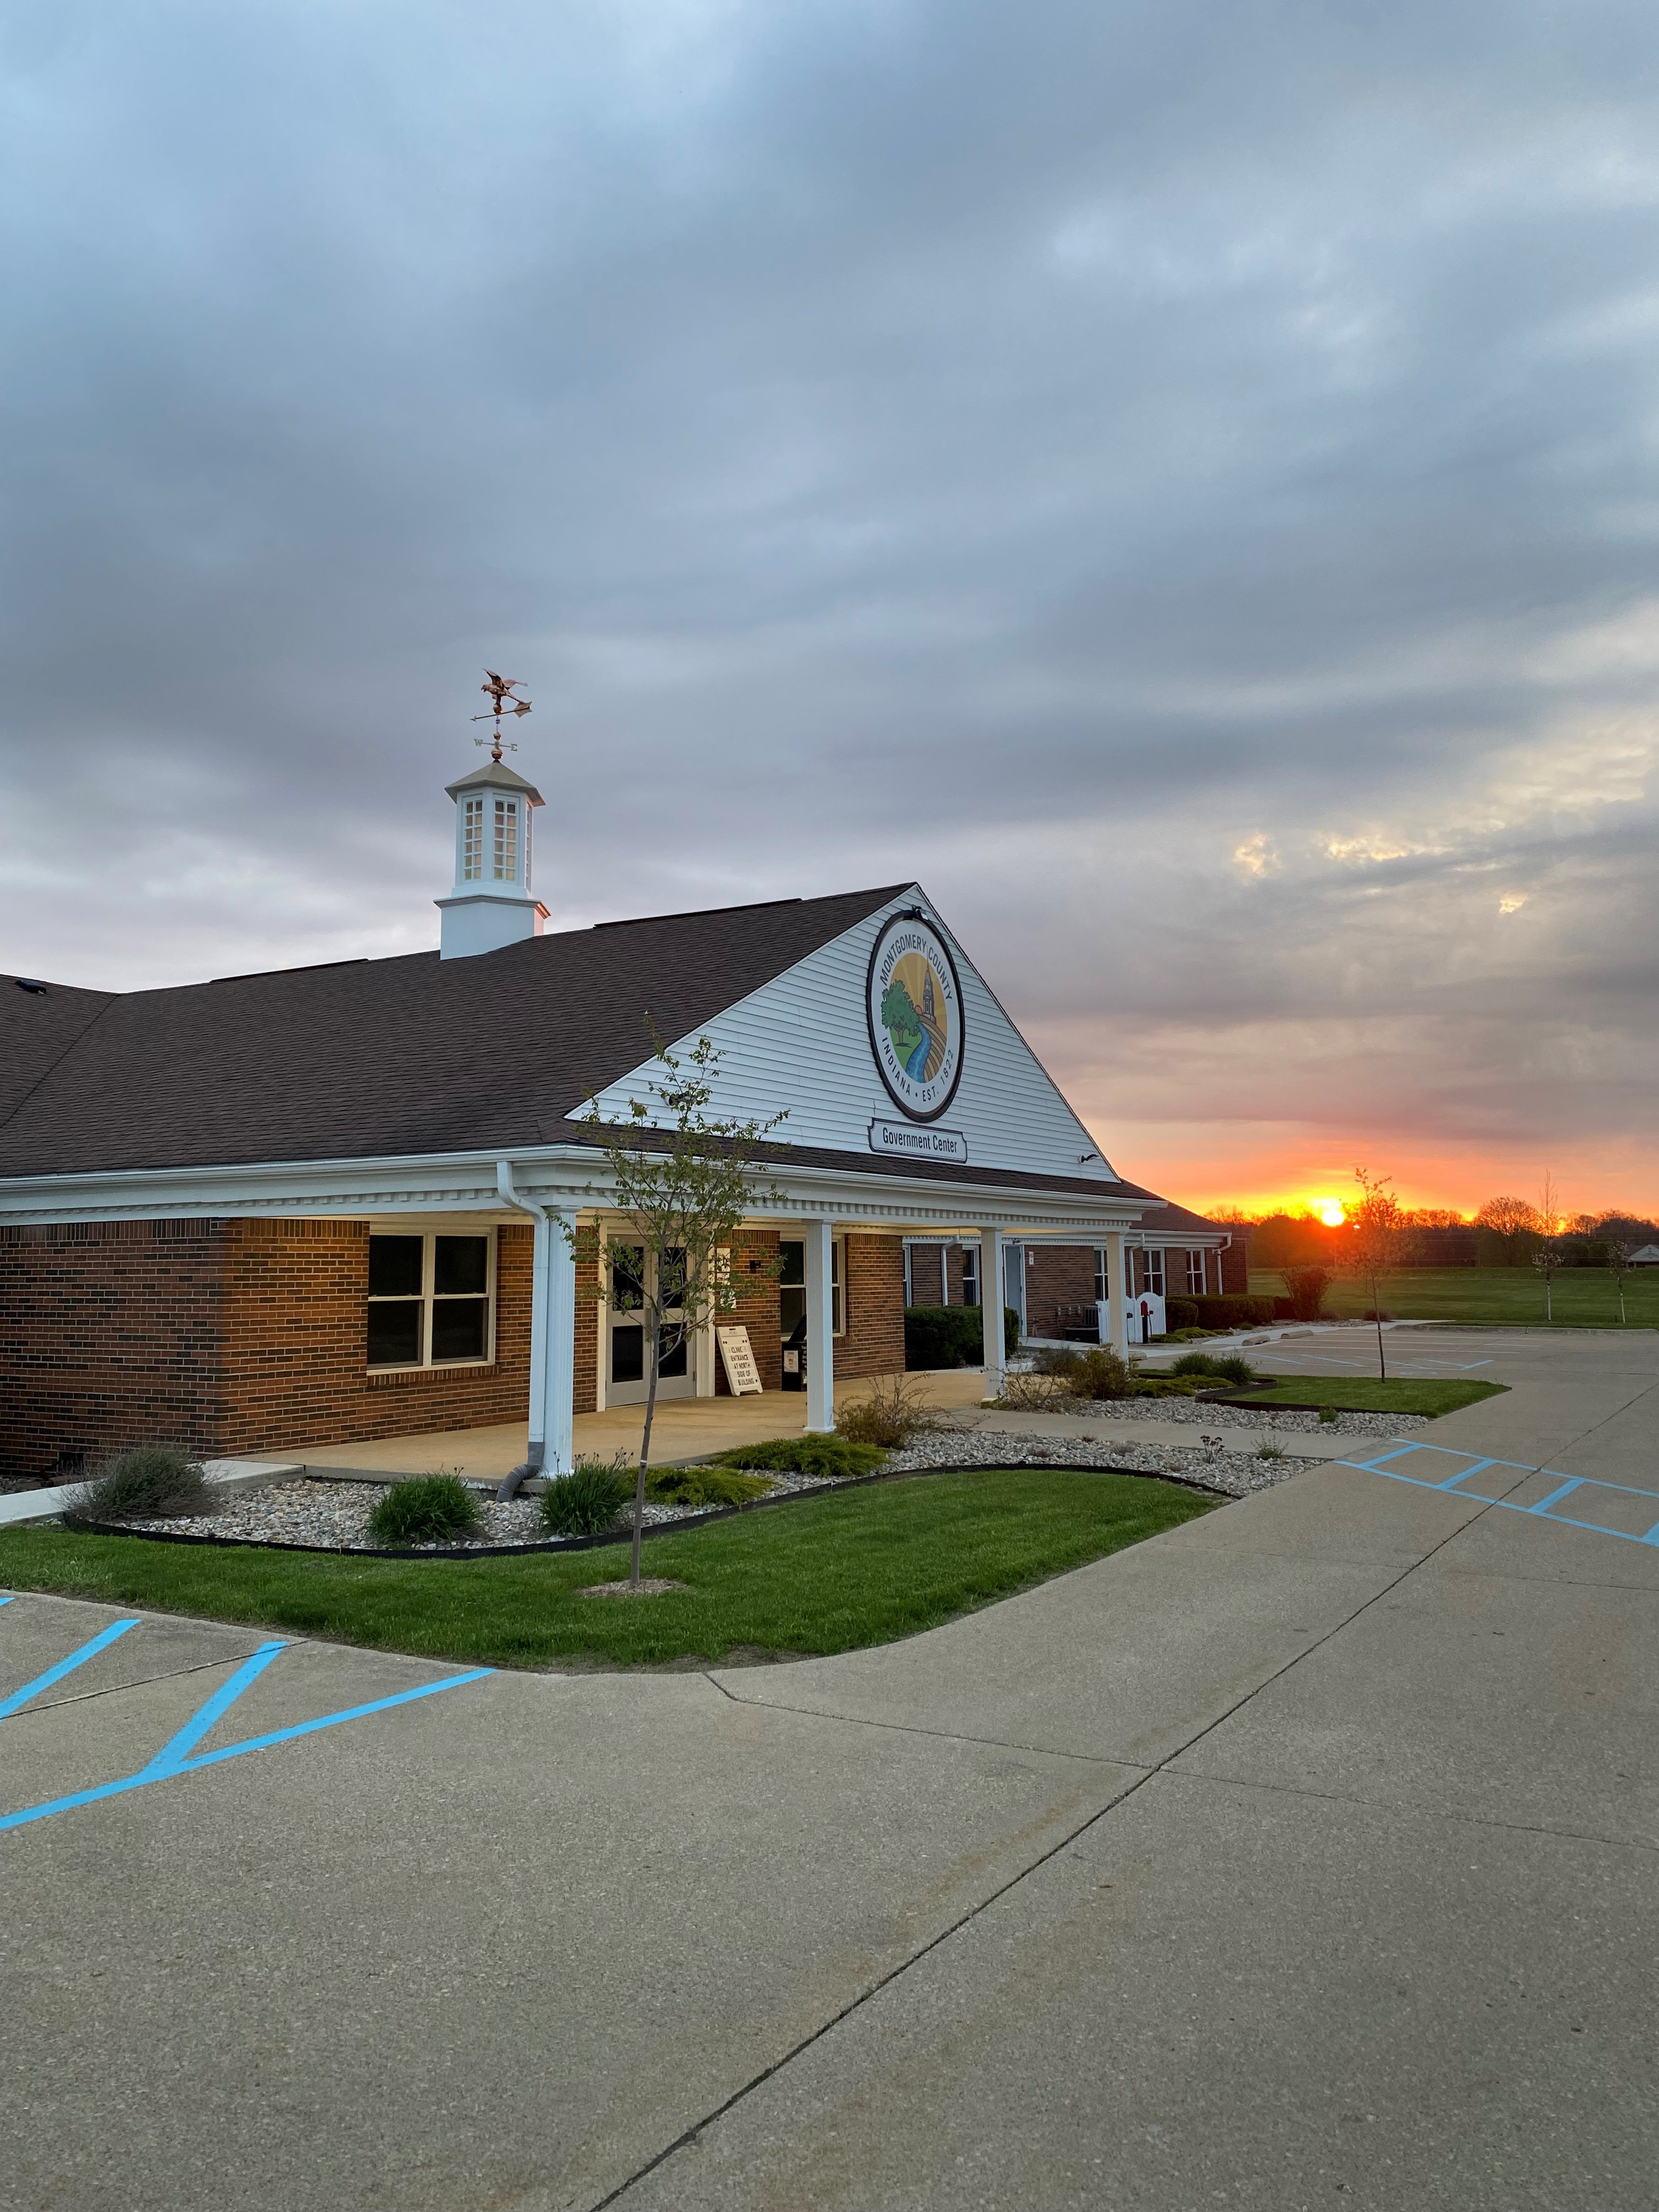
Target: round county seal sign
column 913, row 1003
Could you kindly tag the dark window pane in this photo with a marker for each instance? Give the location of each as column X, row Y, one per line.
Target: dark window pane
column 792, row 1253
column 394, row 1333
column 628, row 1355
column 460, row 1327
column 671, row 1275
column 394, row 1267
column 627, row 1280
column 791, row 1310
column 460, row 1266
column 671, row 1362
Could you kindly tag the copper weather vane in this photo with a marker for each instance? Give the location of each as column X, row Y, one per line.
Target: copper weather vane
column 501, row 689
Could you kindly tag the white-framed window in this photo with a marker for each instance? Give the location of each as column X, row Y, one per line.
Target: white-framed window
column 792, row 1285
column 506, row 853
column 971, row 1274
column 472, row 835
column 1101, row 1292
column 431, row 1300
column 1196, row 1280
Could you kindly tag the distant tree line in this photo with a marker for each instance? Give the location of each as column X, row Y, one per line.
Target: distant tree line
column 1505, row 1232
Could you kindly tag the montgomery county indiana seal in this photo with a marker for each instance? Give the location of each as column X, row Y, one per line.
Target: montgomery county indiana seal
column 913, row 1003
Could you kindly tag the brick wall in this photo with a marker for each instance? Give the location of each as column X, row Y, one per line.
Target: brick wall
column 756, row 1289
column 1056, row 1275
column 110, row 1334
column 295, row 1299
column 873, row 1302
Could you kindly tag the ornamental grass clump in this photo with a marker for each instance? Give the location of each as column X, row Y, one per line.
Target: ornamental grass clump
column 833, row 1458
column 587, row 1501
column 1232, row 1369
column 894, row 1414
column 150, row 1482
column 707, row 1485
column 424, row 1509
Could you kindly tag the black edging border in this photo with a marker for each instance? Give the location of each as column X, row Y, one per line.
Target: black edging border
column 658, row 1528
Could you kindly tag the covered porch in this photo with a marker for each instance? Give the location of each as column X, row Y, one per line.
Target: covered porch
column 684, row 1429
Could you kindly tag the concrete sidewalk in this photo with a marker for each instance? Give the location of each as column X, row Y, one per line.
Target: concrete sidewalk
column 1305, row 1856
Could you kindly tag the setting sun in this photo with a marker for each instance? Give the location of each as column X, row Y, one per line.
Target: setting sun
column 1329, row 1212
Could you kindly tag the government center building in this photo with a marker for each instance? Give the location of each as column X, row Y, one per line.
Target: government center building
column 363, row 1200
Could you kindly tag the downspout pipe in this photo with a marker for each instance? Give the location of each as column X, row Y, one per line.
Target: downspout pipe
column 536, row 1450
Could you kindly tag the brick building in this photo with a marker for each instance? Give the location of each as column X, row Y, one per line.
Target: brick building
column 333, row 1203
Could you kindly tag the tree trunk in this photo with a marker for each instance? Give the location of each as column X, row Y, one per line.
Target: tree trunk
column 1376, row 1314
column 645, row 1445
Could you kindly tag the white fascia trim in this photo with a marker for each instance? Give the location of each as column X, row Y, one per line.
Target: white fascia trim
column 567, row 1176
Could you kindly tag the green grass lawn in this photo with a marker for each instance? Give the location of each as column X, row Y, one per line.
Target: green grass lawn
column 1359, row 1393
column 829, row 1574
column 1582, row 1298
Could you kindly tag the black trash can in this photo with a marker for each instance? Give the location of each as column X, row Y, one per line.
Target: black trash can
column 794, row 1357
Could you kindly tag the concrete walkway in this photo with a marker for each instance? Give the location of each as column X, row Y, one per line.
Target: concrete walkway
column 1304, row 1856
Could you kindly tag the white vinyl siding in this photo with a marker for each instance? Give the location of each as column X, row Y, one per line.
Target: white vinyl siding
column 802, row 1041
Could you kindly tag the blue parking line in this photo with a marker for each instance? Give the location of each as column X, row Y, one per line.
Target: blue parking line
column 1573, row 1482
column 171, row 1756
column 157, row 1771
column 1567, row 1486
column 101, row 1642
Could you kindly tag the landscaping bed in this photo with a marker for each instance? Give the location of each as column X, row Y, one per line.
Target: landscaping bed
column 1382, row 1399
column 853, row 1566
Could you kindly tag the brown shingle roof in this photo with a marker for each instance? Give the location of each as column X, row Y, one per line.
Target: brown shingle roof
column 372, row 1058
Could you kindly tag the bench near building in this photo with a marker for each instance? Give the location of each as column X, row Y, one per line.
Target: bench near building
column 327, row 1205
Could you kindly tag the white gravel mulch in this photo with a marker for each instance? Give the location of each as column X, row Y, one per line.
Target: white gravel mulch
column 1210, row 1463
column 1190, row 1411
column 646, row 1586
column 334, row 1516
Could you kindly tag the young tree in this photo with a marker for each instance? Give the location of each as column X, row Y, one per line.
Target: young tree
column 682, row 1184
column 1547, row 1258
column 1376, row 1243
column 1619, row 1268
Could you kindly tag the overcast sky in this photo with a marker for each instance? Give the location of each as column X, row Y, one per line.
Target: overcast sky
column 1179, row 480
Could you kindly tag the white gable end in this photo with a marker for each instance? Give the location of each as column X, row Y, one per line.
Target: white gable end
column 802, row 1041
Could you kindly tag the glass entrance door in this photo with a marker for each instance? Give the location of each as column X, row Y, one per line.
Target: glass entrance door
column 632, row 1272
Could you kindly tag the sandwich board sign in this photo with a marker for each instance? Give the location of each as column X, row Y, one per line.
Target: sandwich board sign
column 738, row 1357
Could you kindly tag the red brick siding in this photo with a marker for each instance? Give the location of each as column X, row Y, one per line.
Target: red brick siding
column 111, row 1334
column 1236, row 1265
column 873, row 1304
column 295, row 1294
column 756, row 1309
column 1056, row 1275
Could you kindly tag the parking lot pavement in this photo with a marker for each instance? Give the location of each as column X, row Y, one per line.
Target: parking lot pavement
column 1304, row 1856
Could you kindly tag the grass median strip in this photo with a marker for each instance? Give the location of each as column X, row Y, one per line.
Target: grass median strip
column 1360, row 1394
column 832, row 1573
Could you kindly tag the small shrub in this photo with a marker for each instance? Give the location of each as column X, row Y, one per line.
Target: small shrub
column 1100, row 1372
column 424, row 1509
column 1306, row 1288
column 894, row 1413
column 706, row 1486
column 150, row 1482
column 835, row 1458
column 1205, row 1365
column 1035, row 1393
column 952, row 1336
column 588, row 1500
column 1327, row 1417
column 1164, row 1386
column 1270, row 1451
column 1181, row 1318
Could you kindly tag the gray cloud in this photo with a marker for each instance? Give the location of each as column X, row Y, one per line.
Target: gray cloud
column 1179, row 480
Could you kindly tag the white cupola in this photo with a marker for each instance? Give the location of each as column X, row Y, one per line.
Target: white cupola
column 491, row 905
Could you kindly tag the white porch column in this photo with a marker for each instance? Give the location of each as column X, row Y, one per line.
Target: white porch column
column 552, row 1343
column 990, row 1308
column 820, row 1330
column 1117, row 1293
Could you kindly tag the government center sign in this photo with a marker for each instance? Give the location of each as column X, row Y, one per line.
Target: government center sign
column 913, row 1005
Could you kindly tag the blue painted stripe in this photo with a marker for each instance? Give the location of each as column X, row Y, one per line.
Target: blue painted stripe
column 1474, row 1467
column 6, row 1600
column 1573, row 1482
column 171, row 1756
column 152, row 1773
column 101, row 1642
column 1399, row 1452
